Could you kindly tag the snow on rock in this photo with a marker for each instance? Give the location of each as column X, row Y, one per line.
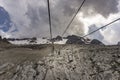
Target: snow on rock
column 38, row 41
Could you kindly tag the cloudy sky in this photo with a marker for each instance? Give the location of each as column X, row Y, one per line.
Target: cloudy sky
column 29, row 18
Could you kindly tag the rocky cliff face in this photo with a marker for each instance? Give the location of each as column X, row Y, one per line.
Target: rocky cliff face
column 118, row 43
column 3, row 41
column 73, row 39
column 67, row 62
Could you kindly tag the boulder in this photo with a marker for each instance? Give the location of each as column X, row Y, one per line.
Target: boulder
column 73, row 39
column 96, row 42
column 33, row 40
column 58, row 38
column 4, row 41
column 0, row 38
column 118, row 43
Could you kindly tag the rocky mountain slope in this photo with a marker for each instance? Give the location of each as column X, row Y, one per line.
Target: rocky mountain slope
column 67, row 62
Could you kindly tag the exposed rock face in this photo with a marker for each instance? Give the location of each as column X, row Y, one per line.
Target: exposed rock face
column 96, row 42
column 58, row 38
column 68, row 62
column 18, row 39
column 33, row 40
column 79, row 40
column 0, row 38
column 118, row 43
column 4, row 40
column 75, row 40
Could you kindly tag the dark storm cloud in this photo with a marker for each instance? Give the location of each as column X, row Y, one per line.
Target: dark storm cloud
column 103, row 7
column 66, row 9
column 38, row 20
column 63, row 12
column 37, row 16
column 33, row 15
column 77, row 28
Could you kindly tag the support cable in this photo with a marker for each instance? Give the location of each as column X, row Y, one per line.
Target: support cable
column 101, row 27
column 50, row 25
column 49, row 15
column 73, row 17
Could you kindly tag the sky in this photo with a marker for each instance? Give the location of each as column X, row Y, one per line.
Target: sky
column 29, row 18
